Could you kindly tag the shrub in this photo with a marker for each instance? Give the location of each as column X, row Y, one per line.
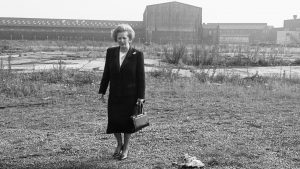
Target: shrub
column 235, row 61
column 199, row 57
column 202, row 76
column 55, row 76
column 157, row 73
column 296, row 62
column 195, row 57
column 165, row 73
column 219, row 78
column 262, row 62
column 174, row 54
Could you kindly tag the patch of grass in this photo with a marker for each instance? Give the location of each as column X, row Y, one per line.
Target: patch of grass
column 231, row 125
column 20, row 88
column 165, row 73
column 32, row 84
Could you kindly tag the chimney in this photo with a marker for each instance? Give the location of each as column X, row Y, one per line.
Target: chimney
column 295, row 16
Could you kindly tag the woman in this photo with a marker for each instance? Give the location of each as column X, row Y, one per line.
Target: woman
column 124, row 72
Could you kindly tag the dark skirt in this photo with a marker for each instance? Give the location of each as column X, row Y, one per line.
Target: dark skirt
column 119, row 112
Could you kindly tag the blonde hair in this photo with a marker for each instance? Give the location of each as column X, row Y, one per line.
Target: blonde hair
column 123, row 28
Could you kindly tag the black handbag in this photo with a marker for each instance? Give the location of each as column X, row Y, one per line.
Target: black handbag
column 139, row 117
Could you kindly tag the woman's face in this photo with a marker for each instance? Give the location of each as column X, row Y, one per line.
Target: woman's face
column 123, row 39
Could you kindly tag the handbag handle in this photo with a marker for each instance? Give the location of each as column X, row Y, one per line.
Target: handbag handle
column 140, row 101
column 139, row 109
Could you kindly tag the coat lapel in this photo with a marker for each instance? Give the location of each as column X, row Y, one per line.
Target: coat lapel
column 117, row 59
column 128, row 55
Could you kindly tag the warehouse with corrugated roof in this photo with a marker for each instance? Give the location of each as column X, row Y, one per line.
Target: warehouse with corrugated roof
column 162, row 23
column 61, row 29
column 173, row 22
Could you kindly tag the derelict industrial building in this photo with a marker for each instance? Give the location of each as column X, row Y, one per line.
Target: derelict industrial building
column 162, row 23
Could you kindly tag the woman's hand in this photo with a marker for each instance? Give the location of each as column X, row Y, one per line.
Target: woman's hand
column 102, row 98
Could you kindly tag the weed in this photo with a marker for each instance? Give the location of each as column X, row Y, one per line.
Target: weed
column 31, row 84
column 9, row 63
column 1, row 64
column 296, row 62
column 18, row 85
column 165, row 73
column 174, row 54
column 199, row 57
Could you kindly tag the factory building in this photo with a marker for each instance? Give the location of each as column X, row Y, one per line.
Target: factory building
column 61, row 29
column 173, row 22
column 292, row 24
column 235, row 33
column 290, row 35
column 166, row 22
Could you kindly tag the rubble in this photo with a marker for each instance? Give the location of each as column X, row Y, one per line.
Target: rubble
column 188, row 161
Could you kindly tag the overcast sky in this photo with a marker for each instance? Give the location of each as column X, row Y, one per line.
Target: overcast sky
column 272, row 12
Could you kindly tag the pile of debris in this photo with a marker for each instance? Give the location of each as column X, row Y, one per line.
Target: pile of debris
column 188, row 162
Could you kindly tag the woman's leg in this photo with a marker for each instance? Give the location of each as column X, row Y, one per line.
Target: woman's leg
column 125, row 146
column 119, row 143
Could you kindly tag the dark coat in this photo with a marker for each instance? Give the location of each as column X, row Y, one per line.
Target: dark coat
column 126, row 85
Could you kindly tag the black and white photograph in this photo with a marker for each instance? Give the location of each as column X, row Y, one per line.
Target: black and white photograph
column 149, row 84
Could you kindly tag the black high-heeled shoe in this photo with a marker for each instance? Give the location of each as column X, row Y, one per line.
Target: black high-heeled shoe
column 123, row 156
column 117, row 154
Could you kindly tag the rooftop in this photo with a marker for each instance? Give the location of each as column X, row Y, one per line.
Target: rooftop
column 236, row 25
column 5, row 21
